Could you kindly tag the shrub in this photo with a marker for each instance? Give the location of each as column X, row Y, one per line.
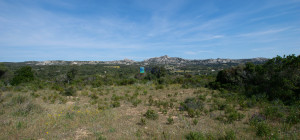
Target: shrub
column 193, row 106
column 69, row 115
column 68, row 92
column 150, row 100
column 193, row 113
column 230, row 135
column 192, row 103
column 18, row 99
column 135, row 102
column 27, row 109
column 293, row 117
column 115, row 104
column 195, row 122
column 150, row 114
column 142, row 121
column 24, row 74
column 262, row 129
column 273, row 112
column 93, row 96
column 234, row 116
column 159, row 87
column 114, row 97
column 194, row 136
column 100, row 137
column 256, row 118
column 35, row 95
column 170, row 120
column 202, row 97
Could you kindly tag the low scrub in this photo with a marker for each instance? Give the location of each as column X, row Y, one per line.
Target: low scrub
column 151, row 114
column 195, row 136
column 193, row 106
column 28, row 108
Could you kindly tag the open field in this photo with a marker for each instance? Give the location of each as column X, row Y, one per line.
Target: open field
column 118, row 112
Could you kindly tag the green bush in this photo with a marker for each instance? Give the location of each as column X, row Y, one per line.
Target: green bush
column 22, row 75
column 159, row 87
column 142, row 121
column 93, row 96
column 195, row 122
column 293, row 116
column 135, row 102
column 115, row 104
column 18, row 99
column 230, row 135
column 262, row 129
column 195, row 136
column 170, row 120
column 150, row 114
column 68, row 92
column 234, row 116
column 278, row 78
column 101, row 138
column 193, row 106
column 274, row 112
column 28, row 108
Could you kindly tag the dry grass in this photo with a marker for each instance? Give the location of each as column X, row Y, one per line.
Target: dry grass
column 88, row 116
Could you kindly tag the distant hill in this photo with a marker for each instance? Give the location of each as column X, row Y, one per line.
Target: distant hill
column 162, row 60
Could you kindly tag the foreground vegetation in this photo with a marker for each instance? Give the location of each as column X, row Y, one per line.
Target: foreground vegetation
column 81, row 103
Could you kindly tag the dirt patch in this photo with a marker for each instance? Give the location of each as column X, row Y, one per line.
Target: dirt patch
column 70, row 103
column 81, row 133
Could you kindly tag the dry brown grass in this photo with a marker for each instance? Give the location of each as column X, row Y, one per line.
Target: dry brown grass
column 81, row 118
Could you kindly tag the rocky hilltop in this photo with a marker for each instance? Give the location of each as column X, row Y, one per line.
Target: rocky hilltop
column 166, row 60
column 163, row 60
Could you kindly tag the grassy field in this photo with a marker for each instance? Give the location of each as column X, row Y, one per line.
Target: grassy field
column 139, row 111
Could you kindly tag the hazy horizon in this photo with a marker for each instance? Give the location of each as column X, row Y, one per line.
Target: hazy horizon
column 139, row 30
column 133, row 59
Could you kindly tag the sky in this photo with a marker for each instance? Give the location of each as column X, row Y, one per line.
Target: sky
column 104, row 30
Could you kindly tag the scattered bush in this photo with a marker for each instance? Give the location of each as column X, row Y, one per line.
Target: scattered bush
column 143, row 121
column 257, row 118
column 195, row 122
column 194, row 136
column 193, row 106
column 68, row 92
column 157, row 87
column 150, row 114
column 69, row 115
column 293, row 116
column 135, row 102
column 100, row 137
column 262, row 129
column 230, row 135
column 234, row 116
column 274, row 112
column 170, row 120
column 19, row 99
column 28, row 108
column 93, row 96
column 35, row 95
column 115, row 104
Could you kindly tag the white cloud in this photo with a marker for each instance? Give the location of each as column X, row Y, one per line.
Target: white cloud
column 264, row 32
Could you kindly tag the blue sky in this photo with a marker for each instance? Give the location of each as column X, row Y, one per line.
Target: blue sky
column 139, row 29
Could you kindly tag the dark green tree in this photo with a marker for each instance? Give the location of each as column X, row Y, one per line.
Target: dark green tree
column 278, row 78
column 158, row 71
column 22, row 75
column 71, row 75
column 3, row 70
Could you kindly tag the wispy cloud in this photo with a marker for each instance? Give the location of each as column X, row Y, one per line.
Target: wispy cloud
column 264, row 32
column 196, row 52
column 143, row 28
